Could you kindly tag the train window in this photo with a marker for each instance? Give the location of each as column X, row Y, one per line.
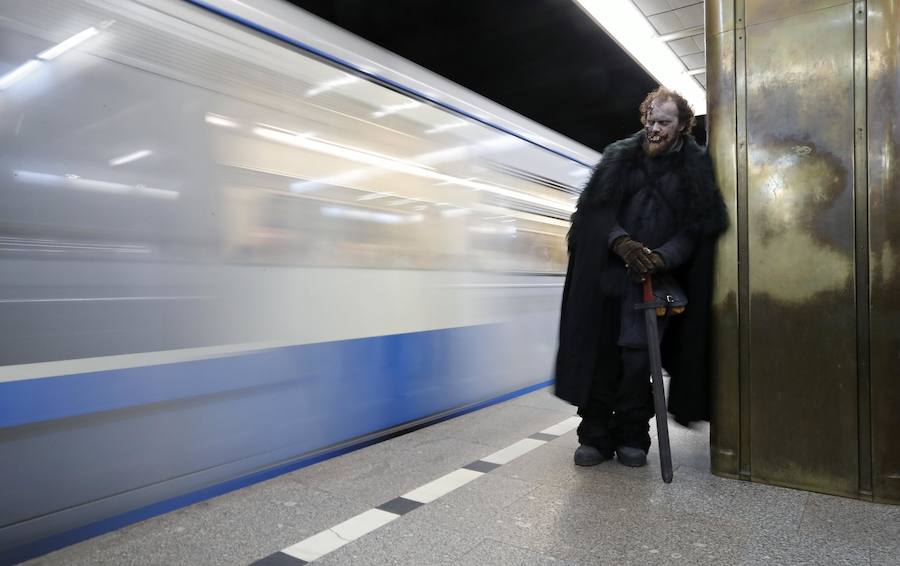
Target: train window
column 167, row 138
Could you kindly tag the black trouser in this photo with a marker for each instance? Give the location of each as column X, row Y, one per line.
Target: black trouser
column 618, row 412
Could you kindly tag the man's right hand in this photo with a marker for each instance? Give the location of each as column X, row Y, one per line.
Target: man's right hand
column 636, row 257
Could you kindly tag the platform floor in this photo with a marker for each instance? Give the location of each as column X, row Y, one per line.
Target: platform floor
column 527, row 505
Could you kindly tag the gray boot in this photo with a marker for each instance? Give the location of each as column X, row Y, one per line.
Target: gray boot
column 589, row 456
column 630, row 456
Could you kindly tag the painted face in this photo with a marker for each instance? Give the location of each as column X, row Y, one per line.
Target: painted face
column 662, row 129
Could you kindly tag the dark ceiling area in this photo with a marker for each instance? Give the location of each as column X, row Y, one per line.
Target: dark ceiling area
column 545, row 59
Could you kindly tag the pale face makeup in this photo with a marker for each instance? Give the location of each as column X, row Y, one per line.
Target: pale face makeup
column 662, row 129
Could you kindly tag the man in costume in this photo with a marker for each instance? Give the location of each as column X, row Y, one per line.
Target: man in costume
column 651, row 209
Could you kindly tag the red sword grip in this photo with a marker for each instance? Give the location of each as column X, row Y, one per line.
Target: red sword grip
column 648, row 290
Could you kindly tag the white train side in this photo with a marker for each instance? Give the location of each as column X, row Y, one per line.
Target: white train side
column 234, row 239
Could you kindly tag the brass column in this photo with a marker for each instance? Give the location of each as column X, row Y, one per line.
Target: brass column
column 883, row 129
column 723, row 87
column 806, row 305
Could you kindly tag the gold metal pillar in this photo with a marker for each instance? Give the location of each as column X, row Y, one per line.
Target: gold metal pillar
column 725, row 445
column 802, row 98
column 883, row 96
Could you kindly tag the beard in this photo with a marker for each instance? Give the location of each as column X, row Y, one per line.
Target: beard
column 659, row 145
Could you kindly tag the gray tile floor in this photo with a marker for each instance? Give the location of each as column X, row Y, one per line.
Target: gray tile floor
column 538, row 509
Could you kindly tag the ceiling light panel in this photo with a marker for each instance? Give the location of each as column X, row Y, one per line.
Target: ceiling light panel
column 632, row 29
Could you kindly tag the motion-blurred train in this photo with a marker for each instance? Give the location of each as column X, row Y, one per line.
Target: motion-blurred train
column 234, row 239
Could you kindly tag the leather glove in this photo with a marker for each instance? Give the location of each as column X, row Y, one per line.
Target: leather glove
column 659, row 264
column 636, row 257
column 636, row 274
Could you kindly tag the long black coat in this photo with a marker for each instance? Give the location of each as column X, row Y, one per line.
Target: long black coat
column 589, row 322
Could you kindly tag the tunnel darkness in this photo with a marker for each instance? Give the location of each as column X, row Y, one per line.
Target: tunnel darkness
column 545, row 59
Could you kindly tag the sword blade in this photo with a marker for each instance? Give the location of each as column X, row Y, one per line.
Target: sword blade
column 659, row 396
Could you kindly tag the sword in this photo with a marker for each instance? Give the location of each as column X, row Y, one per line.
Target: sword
column 649, row 307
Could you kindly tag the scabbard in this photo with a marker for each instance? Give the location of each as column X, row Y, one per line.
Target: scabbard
column 659, row 392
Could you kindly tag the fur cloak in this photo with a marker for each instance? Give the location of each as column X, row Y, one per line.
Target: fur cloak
column 589, row 320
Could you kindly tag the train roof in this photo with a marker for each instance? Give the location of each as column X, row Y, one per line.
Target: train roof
column 306, row 31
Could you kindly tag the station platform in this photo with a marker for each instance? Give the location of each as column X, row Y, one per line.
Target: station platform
column 498, row 486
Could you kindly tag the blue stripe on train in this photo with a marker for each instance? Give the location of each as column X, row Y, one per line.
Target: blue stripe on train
column 173, row 434
column 404, row 366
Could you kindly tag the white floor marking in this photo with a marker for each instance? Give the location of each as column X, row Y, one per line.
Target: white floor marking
column 513, row 451
column 331, row 539
column 443, row 485
column 316, row 546
column 363, row 524
column 563, row 427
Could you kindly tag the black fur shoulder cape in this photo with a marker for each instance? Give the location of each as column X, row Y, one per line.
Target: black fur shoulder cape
column 589, row 325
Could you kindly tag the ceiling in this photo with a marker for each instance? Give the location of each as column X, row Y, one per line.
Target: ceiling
column 545, row 59
column 680, row 24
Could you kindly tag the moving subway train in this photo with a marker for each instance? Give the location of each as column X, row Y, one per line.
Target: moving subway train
column 235, row 239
